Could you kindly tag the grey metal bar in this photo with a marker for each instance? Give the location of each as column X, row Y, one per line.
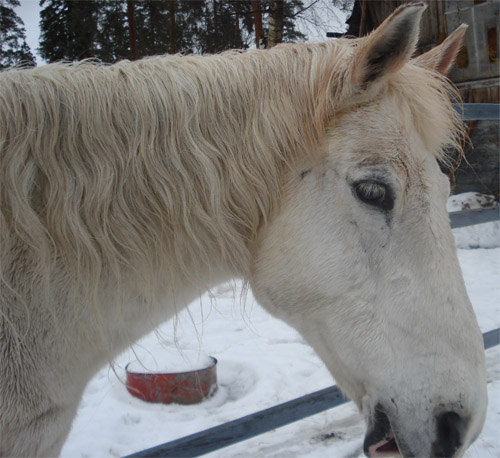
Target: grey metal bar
column 491, row 338
column 246, row 427
column 260, row 422
column 472, row 217
column 478, row 111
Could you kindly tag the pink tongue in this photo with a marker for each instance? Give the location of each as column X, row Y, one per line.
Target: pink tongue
column 386, row 447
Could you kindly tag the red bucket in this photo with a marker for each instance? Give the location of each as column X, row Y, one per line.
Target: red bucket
column 188, row 387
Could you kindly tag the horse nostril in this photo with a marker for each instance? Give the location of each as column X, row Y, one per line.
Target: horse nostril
column 450, row 430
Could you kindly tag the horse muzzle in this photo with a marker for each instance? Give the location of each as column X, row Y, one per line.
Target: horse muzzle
column 448, row 430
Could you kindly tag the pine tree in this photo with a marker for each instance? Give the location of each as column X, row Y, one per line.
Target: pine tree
column 131, row 29
column 275, row 21
column 82, row 24
column 13, row 47
column 54, row 34
column 172, row 27
column 68, row 29
column 291, row 10
column 276, row 13
column 152, row 27
column 111, row 30
column 257, row 15
column 224, row 25
column 231, row 22
column 112, row 39
column 189, row 19
column 280, row 24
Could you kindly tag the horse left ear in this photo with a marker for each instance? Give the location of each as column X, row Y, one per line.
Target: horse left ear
column 389, row 47
column 441, row 58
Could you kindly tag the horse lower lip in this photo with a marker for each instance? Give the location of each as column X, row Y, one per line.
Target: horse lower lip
column 385, row 447
column 390, row 448
column 380, row 439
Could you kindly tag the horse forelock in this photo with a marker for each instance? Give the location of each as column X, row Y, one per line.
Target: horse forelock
column 423, row 100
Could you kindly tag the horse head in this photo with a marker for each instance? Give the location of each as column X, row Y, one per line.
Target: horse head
column 360, row 257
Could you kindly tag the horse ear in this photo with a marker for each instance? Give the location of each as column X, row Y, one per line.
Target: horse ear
column 389, row 47
column 441, row 58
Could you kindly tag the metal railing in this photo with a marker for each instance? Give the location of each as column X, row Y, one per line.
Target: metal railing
column 478, row 111
column 473, row 217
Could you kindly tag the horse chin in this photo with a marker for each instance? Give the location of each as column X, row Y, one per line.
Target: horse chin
column 380, row 440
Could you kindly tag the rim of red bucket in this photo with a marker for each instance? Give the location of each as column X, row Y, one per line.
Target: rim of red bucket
column 214, row 362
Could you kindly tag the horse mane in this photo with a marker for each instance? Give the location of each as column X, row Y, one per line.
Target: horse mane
column 149, row 171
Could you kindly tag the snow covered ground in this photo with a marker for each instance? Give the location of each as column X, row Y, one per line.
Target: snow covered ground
column 263, row 362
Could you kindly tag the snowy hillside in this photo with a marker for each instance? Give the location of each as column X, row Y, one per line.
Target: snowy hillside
column 263, row 362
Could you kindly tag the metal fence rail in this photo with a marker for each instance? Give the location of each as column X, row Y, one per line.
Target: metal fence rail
column 266, row 420
column 478, row 111
column 472, row 217
column 249, row 426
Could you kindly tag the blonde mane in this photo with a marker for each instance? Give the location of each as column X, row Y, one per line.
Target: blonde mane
column 154, row 169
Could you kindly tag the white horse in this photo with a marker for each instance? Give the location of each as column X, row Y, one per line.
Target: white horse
column 310, row 170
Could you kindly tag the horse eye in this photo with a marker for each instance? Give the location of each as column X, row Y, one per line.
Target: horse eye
column 374, row 193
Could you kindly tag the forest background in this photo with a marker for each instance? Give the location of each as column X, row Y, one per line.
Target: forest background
column 111, row 30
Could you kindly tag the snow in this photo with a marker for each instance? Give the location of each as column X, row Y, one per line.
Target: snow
column 320, row 18
column 160, row 360
column 261, row 362
column 484, row 235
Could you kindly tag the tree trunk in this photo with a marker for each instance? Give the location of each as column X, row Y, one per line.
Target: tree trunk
column 362, row 22
column 275, row 23
column 237, row 32
column 131, row 28
column 216, row 26
column 257, row 16
column 171, row 12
